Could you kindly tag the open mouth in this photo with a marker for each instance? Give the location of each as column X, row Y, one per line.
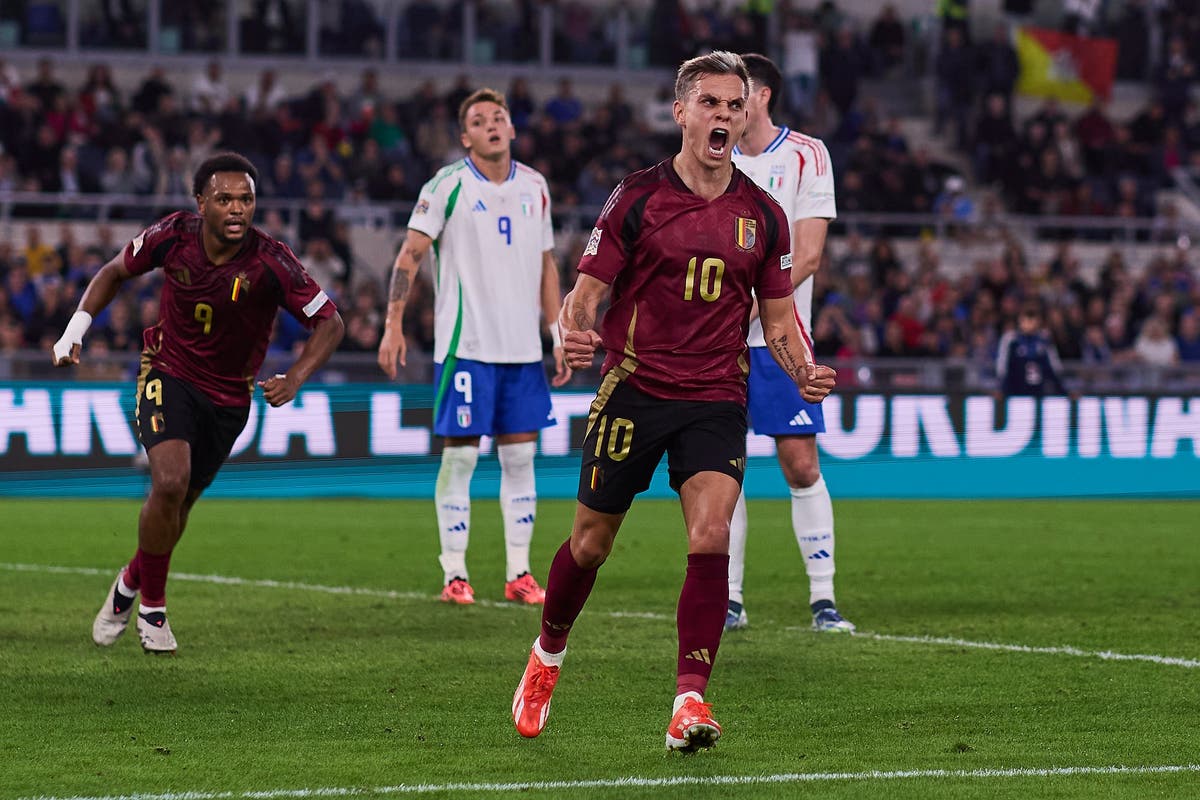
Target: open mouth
column 494, row 138
column 716, row 142
column 235, row 226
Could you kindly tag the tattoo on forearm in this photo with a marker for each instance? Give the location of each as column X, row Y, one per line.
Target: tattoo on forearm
column 400, row 285
column 780, row 346
column 582, row 318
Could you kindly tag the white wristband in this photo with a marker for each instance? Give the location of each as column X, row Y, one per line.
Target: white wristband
column 555, row 334
column 72, row 335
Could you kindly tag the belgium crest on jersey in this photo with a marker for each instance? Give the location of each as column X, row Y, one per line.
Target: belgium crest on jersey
column 241, row 285
column 743, row 233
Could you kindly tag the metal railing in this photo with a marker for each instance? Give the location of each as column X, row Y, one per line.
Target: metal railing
column 42, row 206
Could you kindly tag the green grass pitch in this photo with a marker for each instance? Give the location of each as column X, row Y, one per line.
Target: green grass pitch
column 281, row 688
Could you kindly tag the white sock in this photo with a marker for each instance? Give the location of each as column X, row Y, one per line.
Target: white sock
column 738, row 526
column 151, row 609
column 453, row 500
column 549, row 659
column 812, row 520
column 518, row 503
column 679, row 698
column 123, row 587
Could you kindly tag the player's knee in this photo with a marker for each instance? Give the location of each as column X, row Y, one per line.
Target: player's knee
column 802, row 473
column 710, row 536
column 590, row 548
column 171, row 487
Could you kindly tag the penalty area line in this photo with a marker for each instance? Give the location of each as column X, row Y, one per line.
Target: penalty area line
column 650, row 783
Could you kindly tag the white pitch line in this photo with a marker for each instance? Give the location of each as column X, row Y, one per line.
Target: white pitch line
column 1065, row 650
column 650, row 783
column 226, row 580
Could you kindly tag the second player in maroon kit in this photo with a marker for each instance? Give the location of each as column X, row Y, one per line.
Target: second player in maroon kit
column 215, row 320
column 224, row 282
column 681, row 247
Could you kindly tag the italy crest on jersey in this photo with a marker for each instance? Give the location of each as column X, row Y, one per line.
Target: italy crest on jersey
column 775, row 179
column 526, row 205
column 463, row 416
column 743, row 233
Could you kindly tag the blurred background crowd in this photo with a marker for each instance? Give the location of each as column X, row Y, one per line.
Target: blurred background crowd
column 891, row 286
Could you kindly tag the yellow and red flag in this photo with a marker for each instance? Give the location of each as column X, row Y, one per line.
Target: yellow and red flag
column 1072, row 68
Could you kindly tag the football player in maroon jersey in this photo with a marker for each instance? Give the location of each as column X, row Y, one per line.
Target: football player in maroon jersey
column 681, row 246
column 224, row 281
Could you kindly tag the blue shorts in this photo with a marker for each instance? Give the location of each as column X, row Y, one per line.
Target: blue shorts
column 477, row 399
column 775, row 405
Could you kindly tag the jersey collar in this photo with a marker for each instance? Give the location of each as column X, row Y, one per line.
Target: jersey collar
column 773, row 146
column 512, row 170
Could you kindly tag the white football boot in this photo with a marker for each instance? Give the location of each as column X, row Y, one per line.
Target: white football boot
column 155, row 633
column 111, row 623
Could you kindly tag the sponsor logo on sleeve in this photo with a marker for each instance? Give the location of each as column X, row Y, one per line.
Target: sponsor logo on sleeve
column 422, row 207
column 593, row 244
column 138, row 242
column 785, row 261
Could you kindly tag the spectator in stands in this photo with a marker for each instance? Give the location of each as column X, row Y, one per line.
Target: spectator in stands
column 262, row 97
column 564, row 107
column 1095, row 133
column 210, row 92
column 842, row 68
column 998, row 65
column 1155, row 345
column 436, row 137
column 1187, row 340
column 1174, row 77
column 995, row 139
column 155, row 85
column 954, row 73
column 45, row 87
column 887, row 38
column 1132, row 32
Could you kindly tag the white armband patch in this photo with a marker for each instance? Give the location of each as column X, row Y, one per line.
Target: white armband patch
column 314, row 305
column 785, row 261
column 593, row 244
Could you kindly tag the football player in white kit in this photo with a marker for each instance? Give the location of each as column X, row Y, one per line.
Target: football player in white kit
column 487, row 219
column 795, row 170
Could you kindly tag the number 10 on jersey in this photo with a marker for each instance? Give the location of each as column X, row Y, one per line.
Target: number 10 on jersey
column 712, row 270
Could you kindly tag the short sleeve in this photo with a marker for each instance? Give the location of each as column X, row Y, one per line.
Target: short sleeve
column 148, row 250
column 434, row 205
column 775, row 274
column 604, row 256
column 814, row 195
column 300, row 294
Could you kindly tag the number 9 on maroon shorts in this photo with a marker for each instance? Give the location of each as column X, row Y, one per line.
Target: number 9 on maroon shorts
column 629, row 431
column 169, row 408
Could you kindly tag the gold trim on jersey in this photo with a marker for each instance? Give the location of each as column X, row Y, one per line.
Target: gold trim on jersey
column 743, row 365
column 143, row 371
column 615, row 375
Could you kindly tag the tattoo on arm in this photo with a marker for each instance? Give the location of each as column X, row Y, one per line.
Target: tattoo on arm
column 781, row 347
column 583, row 318
column 400, row 285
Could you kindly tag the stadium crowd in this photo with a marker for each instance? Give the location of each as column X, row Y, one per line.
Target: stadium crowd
column 329, row 151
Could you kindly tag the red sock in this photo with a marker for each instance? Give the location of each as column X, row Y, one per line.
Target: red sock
column 133, row 572
column 700, row 619
column 567, row 589
column 153, row 567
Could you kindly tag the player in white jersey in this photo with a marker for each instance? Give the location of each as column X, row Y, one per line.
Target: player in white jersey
column 795, row 170
column 487, row 219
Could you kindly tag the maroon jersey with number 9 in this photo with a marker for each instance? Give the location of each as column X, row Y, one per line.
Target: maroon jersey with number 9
column 215, row 321
column 682, row 269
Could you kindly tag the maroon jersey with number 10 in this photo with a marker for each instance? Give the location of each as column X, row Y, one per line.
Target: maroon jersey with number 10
column 682, row 269
column 215, row 322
